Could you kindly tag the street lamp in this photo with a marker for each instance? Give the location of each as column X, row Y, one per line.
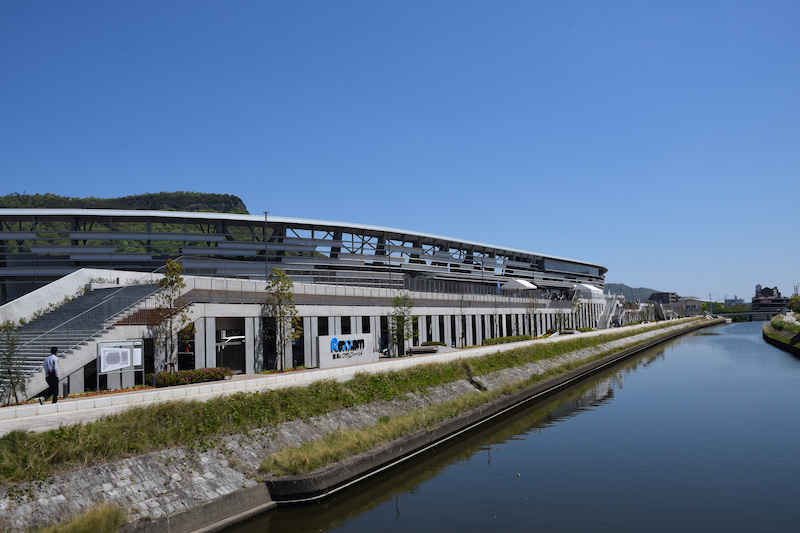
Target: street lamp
column 266, row 248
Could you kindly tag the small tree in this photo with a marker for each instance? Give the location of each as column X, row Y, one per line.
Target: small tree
column 17, row 380
column 461, row 305
column 560, row 320
column 280, row 306
column 401, row 322
column 533, row 305
column 577, row 310
column 173, row 313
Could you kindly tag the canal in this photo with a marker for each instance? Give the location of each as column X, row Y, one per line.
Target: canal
column 700, row 434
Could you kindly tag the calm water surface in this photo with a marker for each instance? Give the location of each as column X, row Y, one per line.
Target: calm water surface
column 702, row 434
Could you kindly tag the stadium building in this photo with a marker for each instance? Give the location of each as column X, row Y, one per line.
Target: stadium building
column 345, row 277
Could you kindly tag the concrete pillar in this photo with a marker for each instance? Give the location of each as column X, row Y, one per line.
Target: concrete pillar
column 211, row 342
column 435, row 333
column 423, row 329
column 259, row 359
column 375, row 331
column 76, row 382
column 199, row 343
column 449, row 334
column 310, row 341
column 250, row 341
column 113, row 381
column 287, row 353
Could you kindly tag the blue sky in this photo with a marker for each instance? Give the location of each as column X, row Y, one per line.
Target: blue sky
column 659, row 139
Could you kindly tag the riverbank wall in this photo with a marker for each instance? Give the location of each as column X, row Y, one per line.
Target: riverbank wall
column 785, row 341
column 785, row 346
column 206, row 488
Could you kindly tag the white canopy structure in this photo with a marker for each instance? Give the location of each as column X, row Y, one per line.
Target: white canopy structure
column 590, row 292
column 518, row 284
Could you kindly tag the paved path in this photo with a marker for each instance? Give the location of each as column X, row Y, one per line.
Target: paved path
column 35, row 417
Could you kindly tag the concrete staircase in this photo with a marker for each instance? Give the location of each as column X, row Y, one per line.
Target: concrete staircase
column 73, row 325
column 609, row 312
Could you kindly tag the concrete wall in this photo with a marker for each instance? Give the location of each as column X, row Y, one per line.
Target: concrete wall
column 441, row 317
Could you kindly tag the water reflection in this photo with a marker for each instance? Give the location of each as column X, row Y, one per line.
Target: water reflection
column 388, row 489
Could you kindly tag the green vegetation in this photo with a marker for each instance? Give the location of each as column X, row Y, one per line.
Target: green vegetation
column 345, row 443
column 173, row 312
column 101, row 518
column 783, row 331
column 31, row 456
column 401, row 323
column 162, row 201
column 17, row 383
column 631, row 294
column 341, row 444
column 187, row 377
column 504, row 340
column 285, row 325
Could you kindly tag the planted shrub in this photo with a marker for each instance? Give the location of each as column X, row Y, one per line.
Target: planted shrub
column 187, row 377
column 504, row 340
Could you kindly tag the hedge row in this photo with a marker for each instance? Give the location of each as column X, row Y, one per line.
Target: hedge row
column 187, row 377
column 504, row 340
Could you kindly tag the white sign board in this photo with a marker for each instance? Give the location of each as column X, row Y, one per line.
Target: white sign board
column 343, row 350
column 119, row 356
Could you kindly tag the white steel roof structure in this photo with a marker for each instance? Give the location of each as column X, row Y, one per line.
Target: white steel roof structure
column 40, row 245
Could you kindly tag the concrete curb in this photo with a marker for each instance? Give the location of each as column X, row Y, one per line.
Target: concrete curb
column 333, row 478
column 212, row 516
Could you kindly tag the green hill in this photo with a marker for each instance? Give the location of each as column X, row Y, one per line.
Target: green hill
column 162, row 201
column 631, row 294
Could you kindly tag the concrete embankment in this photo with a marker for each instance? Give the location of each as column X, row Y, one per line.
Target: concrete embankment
column 206, row 488
column 324, row 482
column 783, row 340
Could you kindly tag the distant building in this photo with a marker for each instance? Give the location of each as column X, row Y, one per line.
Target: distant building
column 686, row 306
column 733, row 302
column 691, row 305
column 769, row 299
column 664, row 298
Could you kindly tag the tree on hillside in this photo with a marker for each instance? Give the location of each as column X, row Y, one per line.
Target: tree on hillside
column 401, row 323
column 279, row 306
column 17, row 381
column 173, row 311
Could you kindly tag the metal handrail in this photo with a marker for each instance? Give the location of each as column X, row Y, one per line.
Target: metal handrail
column 65, row 328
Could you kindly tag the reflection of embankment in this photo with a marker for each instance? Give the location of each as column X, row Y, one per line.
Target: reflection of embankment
column 334, row 512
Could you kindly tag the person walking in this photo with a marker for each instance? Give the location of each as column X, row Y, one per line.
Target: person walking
column 51, row 375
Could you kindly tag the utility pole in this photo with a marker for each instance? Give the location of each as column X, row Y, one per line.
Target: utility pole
column 266, row 248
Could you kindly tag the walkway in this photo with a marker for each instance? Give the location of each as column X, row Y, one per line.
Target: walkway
column 39, row 418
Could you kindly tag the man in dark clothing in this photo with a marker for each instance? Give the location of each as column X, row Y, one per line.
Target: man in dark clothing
column 51, row 375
